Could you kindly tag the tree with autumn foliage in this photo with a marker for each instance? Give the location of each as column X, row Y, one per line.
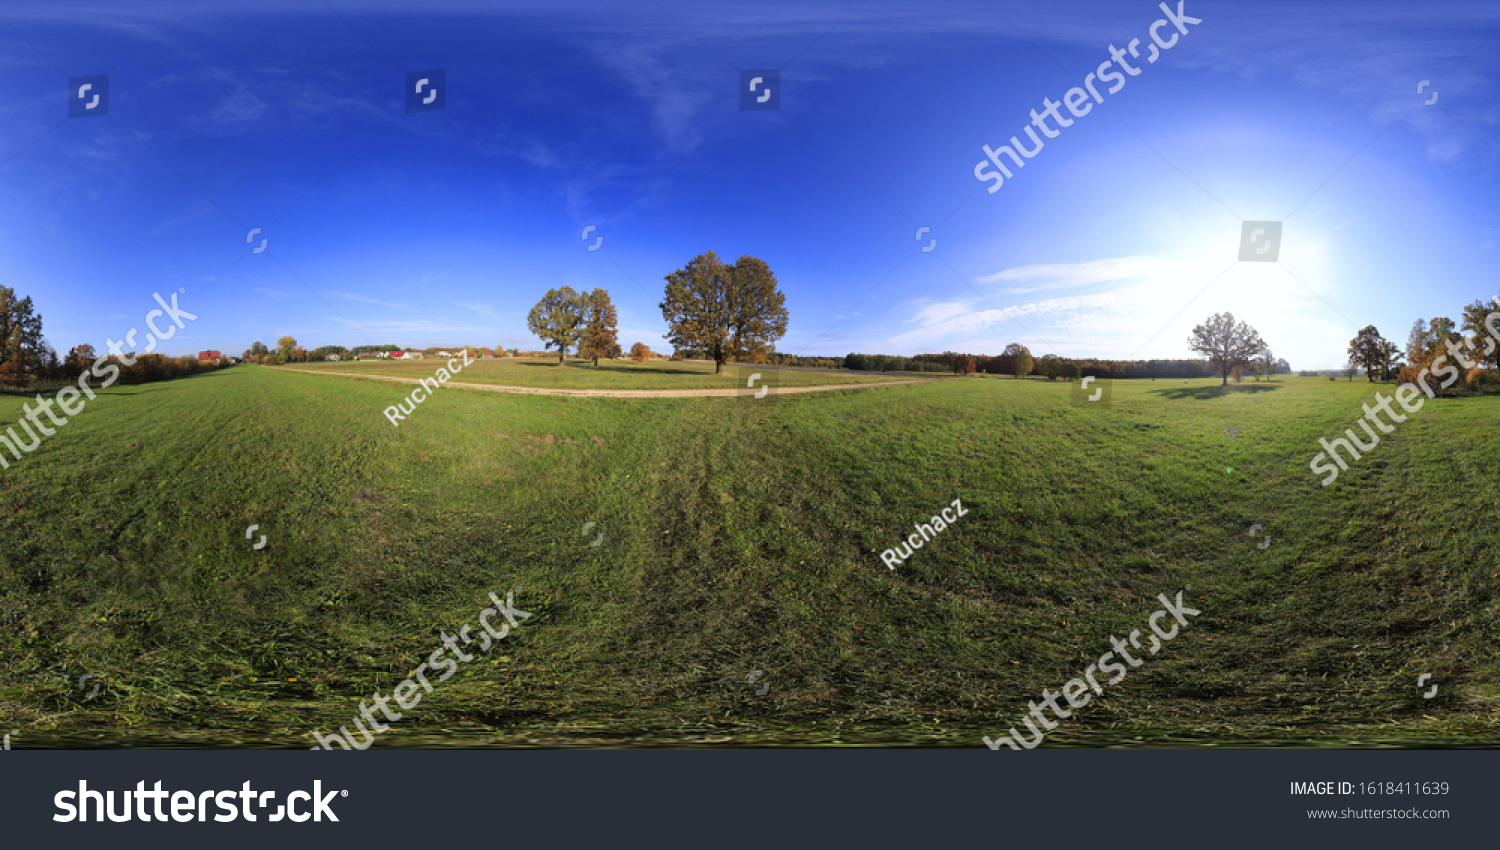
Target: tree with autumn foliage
column 1005, row 363
column 1226, row 343
column 22, row 351
column 729, row 311
column 1485, row 352
column 600, row 337
column 78, row 361
column 640, row 353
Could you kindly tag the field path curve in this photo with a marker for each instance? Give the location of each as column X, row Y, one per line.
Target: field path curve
column 696, row 393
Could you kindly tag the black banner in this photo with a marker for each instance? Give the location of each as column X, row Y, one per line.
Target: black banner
column 749, row 798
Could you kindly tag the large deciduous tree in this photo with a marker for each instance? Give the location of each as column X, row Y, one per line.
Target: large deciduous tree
column 1050, row 366
column 1267, row 363
column 22, row 351
column 1390, row 359
column 1484, row 350
column 1023, row 363
column 1367, row 351
column 600, row 338
column 1226, row 343
column 729, row 311
column 558, row 319
column 1006, row 364
column 1418, row 341
column 1439, row 331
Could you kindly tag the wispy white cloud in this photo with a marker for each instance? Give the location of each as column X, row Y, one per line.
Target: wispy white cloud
column 676, row 99
column 354, row 296
column 483, row 310
column 1050, row 276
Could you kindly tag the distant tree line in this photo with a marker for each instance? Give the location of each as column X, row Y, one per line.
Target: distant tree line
column 29, row 364
column 770, row 358
column 1466, row 352
column 287, row 350
column 1049, row 366
column 893, row 363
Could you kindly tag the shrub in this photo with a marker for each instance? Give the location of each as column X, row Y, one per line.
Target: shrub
column 1478, row 377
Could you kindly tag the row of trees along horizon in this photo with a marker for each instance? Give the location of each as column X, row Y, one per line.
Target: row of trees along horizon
column 28, row 363
column 1431, row 340
column 735, row 312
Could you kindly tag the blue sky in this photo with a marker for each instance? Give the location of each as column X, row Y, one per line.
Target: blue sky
column 445, row 227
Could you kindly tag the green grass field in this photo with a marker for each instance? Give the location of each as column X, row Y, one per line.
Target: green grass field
column 611, row 374
column 743, row 535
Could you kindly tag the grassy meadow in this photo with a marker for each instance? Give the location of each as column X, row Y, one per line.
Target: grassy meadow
column 612, row 374
column 744, row 535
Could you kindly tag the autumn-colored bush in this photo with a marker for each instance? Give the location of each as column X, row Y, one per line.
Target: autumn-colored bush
column 14, row 373
column 156, row 367
column 639, row 352
column 1477, row 377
